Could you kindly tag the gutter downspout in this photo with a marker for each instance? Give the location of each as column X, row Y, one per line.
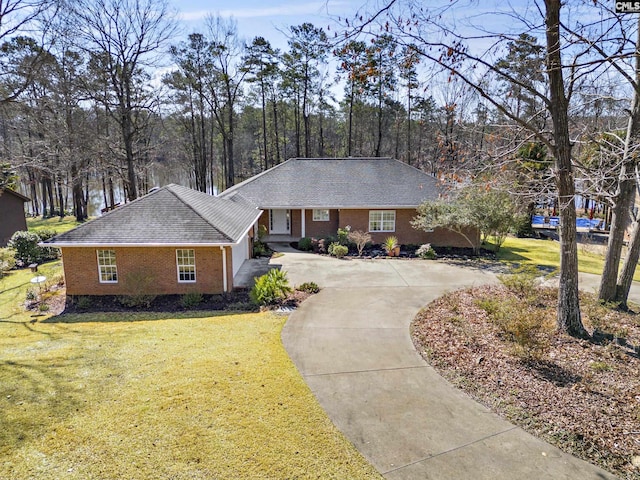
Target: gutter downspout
column 224, row 269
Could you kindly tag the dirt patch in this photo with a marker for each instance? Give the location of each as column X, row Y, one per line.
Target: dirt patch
column 583, row 396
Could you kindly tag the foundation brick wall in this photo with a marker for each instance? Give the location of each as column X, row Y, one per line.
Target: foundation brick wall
column 154, row 266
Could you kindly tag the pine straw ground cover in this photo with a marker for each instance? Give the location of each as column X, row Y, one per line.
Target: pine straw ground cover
column 192, row 395
column 501, row 347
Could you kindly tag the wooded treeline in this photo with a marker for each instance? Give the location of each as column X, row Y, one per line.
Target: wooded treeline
column 94, row 116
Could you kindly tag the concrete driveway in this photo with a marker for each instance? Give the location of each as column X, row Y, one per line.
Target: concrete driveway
column 351, row 343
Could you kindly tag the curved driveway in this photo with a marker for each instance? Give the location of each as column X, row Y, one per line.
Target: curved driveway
column 352, row 345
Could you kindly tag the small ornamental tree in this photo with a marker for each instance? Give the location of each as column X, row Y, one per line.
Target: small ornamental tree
column 360, row 238
column 493, row 211
column 488, row 210
column 448, row 215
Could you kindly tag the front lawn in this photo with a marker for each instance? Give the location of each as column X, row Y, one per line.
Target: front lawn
column 532, row 251
column 149, row 395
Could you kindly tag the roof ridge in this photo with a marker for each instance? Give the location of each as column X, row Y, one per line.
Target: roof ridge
column 195, row 210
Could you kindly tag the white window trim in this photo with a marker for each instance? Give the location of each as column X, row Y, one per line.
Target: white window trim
column 115, row 265
column 382, row 212
column 318, row 218
column 195, row 275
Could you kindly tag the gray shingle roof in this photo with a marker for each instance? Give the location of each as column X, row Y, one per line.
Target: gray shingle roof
column 171, row 215
column 337, row 183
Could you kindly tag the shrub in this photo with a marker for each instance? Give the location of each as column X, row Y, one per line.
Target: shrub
column 305, row 244
column 360, row 238
column 260, row 249
column 31, row 295
column 26, row 247
column 83, row 303
column 522, row 280
column 47, row 253
column 426, row 252
column 262, row 232
column 338, row 250
column 521, row 325
column 270, row 288
column 7, row 261
column 343, row 235
column 308, row 287
column 140, row 284
column 319, row 246
column 191, row 299
column 27, row 250
column 390, row 243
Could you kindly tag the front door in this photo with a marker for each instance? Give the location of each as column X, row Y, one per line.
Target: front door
column 280, row 222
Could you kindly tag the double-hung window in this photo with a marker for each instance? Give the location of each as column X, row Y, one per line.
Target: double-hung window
column 382, row 220
column 107, row 269
column 186, row 262
column 320, row 215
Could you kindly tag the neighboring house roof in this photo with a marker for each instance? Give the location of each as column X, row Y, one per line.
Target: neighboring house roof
column 13, row 192
column 337, row 183
column 171, row 215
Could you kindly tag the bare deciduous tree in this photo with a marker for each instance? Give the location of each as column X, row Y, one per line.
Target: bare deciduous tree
column 125, row 36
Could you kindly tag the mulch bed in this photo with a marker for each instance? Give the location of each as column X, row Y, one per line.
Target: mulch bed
column 235, row 301
column 583, row 396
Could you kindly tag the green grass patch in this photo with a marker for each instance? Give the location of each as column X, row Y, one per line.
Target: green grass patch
column 157, row 395
column 529, row 251
column 15, row 284
column 59, row 225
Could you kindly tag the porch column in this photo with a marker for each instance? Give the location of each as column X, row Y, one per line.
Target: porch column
column 224, row 269
column 304, row 223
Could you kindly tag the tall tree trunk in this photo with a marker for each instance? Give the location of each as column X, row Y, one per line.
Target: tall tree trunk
column 231, row 175
column 61, row 196
column 569, row 319
column 33, row 185
column 296, row 119
column 350, row 126
column 379, row 133
column 409, row 124
column 276, row 131
column 619, row 222
column 305, row 114
column 628, row 267
column 79, row 208
column 264, row 123
column 623, row 203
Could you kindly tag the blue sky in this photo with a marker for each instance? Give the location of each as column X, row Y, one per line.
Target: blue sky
column 265, row 18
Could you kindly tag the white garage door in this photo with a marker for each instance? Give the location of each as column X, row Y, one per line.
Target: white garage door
column 240, row 253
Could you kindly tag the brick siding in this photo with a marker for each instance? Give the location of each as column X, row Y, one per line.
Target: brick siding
column 359, row 220
column 154, row 266
column 321, row 229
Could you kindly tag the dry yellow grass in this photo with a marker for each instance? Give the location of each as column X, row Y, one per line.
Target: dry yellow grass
column 155, row 396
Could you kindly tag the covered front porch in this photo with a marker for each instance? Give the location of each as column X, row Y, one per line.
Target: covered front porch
column 290, row 225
